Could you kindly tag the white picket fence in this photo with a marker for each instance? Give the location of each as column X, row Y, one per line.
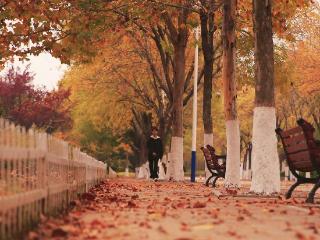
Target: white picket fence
column 39, row 174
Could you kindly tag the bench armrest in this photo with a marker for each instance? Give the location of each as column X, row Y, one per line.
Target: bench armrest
column 317, row 142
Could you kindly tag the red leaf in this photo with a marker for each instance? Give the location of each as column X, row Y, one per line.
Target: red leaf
column 232, row 191
column 162, row 230
column 88, row 196
column 300, row 236
column 58, row 232
column 132, row 204
column 135, row 196
column 311, row 211
column 199, row 205
column 33, row 236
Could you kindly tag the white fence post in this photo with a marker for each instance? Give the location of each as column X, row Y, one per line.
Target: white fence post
column 39, row 174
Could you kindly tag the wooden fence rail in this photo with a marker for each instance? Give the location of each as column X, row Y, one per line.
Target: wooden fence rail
column 39, row 174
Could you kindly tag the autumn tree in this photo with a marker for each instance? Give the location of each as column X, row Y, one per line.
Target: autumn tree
column 211, row 44
column 32, row 28
column 230, row 94
column 23, row 104
column 77, row 31
column 137, row 135
column 301, row 85
column 265, row 162
column 100, row 120
column 88, row 38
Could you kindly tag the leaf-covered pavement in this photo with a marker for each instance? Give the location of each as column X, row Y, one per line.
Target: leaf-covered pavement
column 125, row 208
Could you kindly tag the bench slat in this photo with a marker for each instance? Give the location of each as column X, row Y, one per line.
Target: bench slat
column 211, row 160
column 293, row 139
column 300, row 161
column 298, row 147
column 302, row 151
column 291, row 131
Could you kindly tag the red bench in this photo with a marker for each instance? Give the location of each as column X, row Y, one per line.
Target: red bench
column 216, row 169
column 302, row 154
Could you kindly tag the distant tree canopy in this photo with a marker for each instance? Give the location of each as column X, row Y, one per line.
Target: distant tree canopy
column 23, row 104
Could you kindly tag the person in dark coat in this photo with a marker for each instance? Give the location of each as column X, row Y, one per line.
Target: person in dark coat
column 155, row 152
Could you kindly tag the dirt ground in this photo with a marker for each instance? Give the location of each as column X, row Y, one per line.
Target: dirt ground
column 124, row 208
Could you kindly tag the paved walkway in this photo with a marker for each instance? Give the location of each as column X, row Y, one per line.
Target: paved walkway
column 135, row 209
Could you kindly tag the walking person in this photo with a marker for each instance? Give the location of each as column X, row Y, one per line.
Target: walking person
column 155, row 152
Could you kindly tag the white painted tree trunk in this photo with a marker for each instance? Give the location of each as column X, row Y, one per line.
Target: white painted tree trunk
column 126, row 173
column 162, row 174
column 207, row 139
column 232, row 178
column 265, row 159
column 169, row 174
column 177, row 158
column 136, row 172
column 112, row 173
column 144, row 172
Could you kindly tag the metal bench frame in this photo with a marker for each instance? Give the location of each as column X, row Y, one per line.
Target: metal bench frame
column 212, row 161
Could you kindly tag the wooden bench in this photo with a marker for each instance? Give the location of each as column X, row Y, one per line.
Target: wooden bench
column 216, row 169
column 302, row 154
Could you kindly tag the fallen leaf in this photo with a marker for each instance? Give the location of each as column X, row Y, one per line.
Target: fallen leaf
column 232, row 191
column 96, row 222
column 300, row 236
column 58, row 232
column 232, row 233
column 132, row 204
column 199, row 205
column 33, row 236
column 284, row 212
column 151, row 211
column 184, row 227
column 88, row 196
column 145, row 224
column 314, row 228
column 136, row 196
column 311, row 211
column 75, row 203
column 113, row 198
column 162, row 230
column 217, row 222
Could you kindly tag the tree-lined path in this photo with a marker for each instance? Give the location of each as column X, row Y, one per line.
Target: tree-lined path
column 125, row 208
column 133, row 66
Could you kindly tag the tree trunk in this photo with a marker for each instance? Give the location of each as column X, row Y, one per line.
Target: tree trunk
column 207, row 30
column 178, row 36
column 230, row 95
column 177, row 114
column 143, row 150
column 265, row 162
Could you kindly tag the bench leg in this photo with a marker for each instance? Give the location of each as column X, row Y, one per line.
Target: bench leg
column 208, row 180
column 289, row 193
column 311, row 194
column 214, row 181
